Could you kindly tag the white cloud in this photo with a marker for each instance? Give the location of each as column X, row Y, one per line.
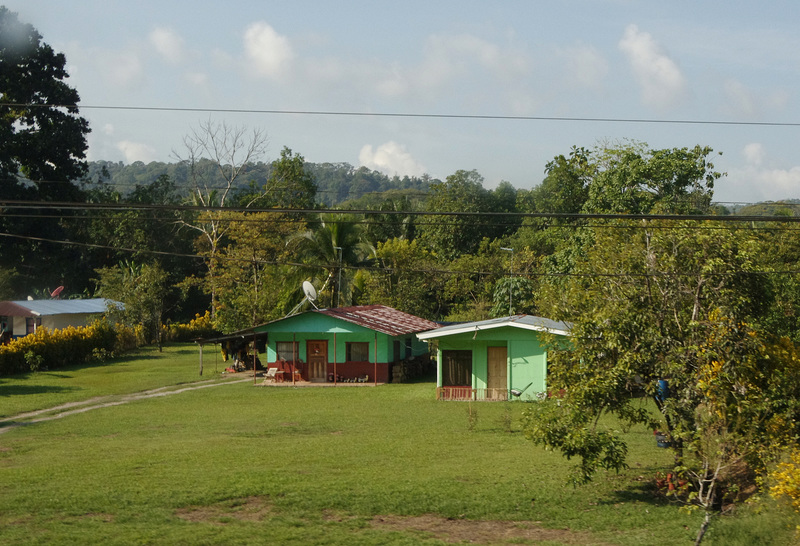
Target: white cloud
column 450, row 56
column 754, row 154
column 136, row 151
column 124, row 68
column 661, row 80
column 198, row 79
column 168, row 44
column 741, row 99
column 757, row 182
column 585, row 65
column 390, row 158
column 268, row 52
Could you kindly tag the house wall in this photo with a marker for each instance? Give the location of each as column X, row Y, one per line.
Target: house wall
column 17, row 325
column 57, row 322
column 314, row 326
column 527, row 359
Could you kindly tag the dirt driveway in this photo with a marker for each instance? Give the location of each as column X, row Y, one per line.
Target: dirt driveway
column 71, row 408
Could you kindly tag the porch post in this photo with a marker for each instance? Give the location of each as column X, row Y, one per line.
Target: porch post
column 334, row 359
column 255, row 353
column 376, row 359
column 295, row 355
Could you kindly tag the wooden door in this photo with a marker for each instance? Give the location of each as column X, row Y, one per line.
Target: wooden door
column 497, row 373
column 317, row 354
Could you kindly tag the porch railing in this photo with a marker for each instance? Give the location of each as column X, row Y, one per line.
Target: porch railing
column 468, row 393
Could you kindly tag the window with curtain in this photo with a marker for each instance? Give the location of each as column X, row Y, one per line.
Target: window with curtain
column 286, row 350
column 357, row 351
column 456, row 368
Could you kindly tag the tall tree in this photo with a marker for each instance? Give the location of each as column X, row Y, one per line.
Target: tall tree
column 655, row 302
column 251, row 277
column 334, row 245
column 630, row 178
column 42, row 136
column 143, row 290
column 451, row 236
column 230, row 151
column 42, row 149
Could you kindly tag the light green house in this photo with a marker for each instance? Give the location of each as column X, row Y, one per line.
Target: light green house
column 495, row 359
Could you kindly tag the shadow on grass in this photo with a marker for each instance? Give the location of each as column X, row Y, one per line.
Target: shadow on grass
column 644, row 492
column 14, row 390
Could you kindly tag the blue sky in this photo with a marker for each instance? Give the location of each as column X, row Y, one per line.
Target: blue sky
column 619, row 59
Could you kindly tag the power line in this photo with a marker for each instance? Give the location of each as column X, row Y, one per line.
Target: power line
column 393, row 270
column 345, row 113
column 51, row 205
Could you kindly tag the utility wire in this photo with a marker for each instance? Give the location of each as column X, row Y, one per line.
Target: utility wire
column 39, row 205
column 393, row 270
column 345, row 113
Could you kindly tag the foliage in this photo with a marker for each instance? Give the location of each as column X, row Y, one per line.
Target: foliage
column 142, row 288
column 652, row 301
column 406, row 279
column 450, row 236
column 53, row 349
column 290, row 185
column 631, row 179
column 199, row 327
column 336, row 244
column 42, row 149
column 42, row 141
column 251, row 285
column 785, row 480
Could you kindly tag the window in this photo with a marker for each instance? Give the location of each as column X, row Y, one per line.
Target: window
column 31, row 324
column 408, row 347
column 286, row 350
column 357, row 351
column 456, row 368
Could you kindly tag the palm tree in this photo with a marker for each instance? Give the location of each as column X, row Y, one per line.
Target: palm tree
column 334, row 245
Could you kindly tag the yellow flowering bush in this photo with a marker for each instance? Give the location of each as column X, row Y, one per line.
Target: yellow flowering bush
column 57, row 348
column 786, row 480
column 200, row 326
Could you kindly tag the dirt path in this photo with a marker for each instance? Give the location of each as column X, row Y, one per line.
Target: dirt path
column 71, row 408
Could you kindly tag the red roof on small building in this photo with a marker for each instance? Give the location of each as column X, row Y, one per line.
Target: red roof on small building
column 381, row 318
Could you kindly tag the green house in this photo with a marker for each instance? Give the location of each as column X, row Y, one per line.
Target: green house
column 495, row 359
column 360, row 343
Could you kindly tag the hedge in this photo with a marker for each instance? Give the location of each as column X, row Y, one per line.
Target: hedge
column 58, row 348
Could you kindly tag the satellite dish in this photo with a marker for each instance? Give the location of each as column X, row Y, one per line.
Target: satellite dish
column 309, row 291
column 311, row 295
column 55, row 293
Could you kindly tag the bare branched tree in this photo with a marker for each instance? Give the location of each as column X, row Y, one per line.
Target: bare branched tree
column 217, row 156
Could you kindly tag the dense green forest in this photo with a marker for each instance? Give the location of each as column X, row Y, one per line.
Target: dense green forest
column 335, row 182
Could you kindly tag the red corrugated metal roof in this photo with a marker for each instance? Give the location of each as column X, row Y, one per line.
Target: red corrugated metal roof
column 11, row 309
column 381, row 318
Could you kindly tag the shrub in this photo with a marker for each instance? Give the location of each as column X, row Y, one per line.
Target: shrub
column 786, row 480
column 198, row 327
column 57, row 348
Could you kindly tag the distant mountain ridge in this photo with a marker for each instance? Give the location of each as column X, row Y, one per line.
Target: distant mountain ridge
column 336, row 182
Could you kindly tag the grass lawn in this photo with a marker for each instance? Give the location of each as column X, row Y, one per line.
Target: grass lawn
column 238, row 464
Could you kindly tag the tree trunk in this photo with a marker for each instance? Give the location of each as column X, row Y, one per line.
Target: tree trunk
column 703, row 528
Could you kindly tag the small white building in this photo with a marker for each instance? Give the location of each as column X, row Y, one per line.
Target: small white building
column 20, row 318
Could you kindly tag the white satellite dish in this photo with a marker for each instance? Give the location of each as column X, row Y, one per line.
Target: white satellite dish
column 309, row 291
column 311, row 295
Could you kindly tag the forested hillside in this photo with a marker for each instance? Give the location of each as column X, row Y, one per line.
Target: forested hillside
column 336, row 182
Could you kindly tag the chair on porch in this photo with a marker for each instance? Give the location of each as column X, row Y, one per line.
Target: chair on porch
column 270, row 375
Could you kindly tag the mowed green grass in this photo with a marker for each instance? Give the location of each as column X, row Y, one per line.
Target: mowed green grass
column 144, row 369
column 240, row 464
